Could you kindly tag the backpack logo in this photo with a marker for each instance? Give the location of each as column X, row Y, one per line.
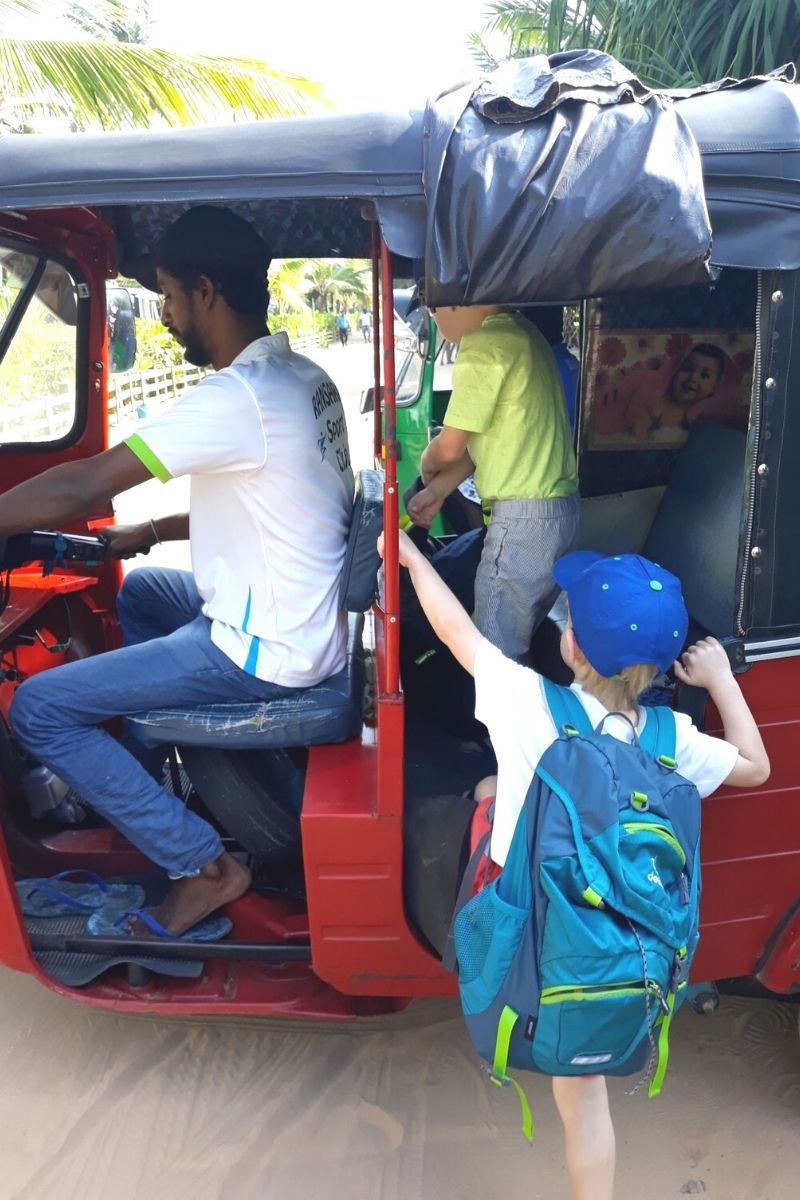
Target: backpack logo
column 654, row 876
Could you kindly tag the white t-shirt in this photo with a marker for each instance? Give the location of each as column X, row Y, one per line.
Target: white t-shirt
column 265, row 444
column 510, row 701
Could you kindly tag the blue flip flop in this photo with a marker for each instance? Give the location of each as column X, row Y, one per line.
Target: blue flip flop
column 59, row 896
column 110, row 922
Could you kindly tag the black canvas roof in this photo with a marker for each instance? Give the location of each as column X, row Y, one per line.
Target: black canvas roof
column 304, row 181
column 749, row 139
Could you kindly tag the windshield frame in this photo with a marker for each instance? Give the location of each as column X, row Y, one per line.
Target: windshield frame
column 45, row 254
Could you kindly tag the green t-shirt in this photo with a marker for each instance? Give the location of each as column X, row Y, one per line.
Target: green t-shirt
column 507, row 393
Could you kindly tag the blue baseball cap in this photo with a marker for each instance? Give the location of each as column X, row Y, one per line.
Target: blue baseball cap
column 625, row 610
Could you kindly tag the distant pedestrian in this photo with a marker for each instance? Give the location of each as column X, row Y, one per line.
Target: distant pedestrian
column 343, row 326
column 365, row 324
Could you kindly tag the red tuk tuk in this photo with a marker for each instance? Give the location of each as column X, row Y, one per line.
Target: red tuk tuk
column 368, row 807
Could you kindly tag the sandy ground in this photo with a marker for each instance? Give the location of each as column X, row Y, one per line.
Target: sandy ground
column 94, row 1107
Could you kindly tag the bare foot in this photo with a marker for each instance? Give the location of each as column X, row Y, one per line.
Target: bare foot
column 190, row 900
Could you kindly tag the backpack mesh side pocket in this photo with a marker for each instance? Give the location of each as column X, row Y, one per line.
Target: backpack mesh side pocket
column 487, row 935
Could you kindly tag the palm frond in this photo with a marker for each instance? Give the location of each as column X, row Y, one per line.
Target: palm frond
column 667, row 42
column 113, row 20
column 12, row 9
column 481, row 54
column 114, row 85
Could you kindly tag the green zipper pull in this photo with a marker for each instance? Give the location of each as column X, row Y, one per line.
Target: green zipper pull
column 498, row 1073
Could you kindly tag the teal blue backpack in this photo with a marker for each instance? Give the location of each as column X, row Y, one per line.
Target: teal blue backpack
column 574, row 960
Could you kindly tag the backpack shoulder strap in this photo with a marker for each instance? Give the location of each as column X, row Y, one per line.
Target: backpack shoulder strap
column 566, row 708
column 659, row 734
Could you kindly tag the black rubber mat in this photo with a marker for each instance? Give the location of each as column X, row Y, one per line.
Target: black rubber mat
column 76, row 970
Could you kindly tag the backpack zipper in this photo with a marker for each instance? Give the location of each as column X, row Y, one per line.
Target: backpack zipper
column 631, row 987
column 660, row 831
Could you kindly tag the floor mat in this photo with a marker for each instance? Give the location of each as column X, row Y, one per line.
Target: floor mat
column 76, row 970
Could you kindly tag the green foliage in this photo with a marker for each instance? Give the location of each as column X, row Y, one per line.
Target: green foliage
column 317, row 286
column 327, row 322
column 155, row 347
column 37, row 378
column 112, row 81
column 330, row 281
column 286, row 283
column 117, row 20
column 296, row 324
column 668, row 43
column 302, row 323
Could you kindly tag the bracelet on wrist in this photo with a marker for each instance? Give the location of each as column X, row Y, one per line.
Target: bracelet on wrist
column 155, row 531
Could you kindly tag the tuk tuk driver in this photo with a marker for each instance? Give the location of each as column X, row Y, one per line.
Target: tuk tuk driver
column 507, row 415
column 265, row 444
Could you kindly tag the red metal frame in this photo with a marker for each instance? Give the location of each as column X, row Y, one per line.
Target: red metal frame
column 353, row 803
column 391, row 676
column 80, row 236
column 366, row 959
column 751, row 842
column 377, row 421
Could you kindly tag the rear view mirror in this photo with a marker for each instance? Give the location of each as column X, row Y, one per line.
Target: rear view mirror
column 368, row 400
column 121, row 330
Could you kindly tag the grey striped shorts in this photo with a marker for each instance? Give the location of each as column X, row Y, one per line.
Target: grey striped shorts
column 514, row 585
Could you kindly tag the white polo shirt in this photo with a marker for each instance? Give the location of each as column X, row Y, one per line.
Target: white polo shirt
column 265, row 444
column 510, row 701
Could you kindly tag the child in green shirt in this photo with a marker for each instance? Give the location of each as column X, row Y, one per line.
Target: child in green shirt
column 507, row 421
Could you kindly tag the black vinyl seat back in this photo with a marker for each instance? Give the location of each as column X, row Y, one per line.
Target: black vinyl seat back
column 697, row 528
column 360, row 571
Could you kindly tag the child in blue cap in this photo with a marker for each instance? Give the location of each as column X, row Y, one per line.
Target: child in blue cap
column 627, row 622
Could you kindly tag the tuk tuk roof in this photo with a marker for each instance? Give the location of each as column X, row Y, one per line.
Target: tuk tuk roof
column 304, row 180
column 749, row 141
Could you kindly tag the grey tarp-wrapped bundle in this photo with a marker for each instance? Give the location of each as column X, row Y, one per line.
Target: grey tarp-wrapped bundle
column 559, row 178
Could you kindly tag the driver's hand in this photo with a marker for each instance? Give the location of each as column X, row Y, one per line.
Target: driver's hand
column 126, row 541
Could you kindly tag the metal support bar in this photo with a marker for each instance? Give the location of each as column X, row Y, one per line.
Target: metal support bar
column 143, row 947
column 377, row 412
column 390, row 502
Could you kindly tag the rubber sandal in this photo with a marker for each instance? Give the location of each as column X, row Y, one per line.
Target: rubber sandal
column 112, row 923
column 58, row 896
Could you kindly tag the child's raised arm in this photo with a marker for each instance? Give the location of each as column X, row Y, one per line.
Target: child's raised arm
column 705, row 664
column 449, row 619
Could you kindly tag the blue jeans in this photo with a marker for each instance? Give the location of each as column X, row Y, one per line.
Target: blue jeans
column 167, row 659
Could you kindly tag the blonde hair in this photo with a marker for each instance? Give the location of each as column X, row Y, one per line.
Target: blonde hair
column 621, row 692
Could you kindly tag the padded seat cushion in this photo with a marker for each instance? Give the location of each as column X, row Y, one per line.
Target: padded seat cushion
column 331, row 711
column 697, row 528
column 360, row 570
